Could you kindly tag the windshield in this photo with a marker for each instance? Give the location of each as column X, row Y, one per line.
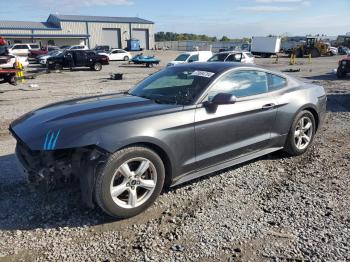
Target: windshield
column 54, row 53
column 182, row 57
column 174, row 85
column 218, row 57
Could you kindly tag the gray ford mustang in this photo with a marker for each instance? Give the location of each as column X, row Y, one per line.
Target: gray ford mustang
column 181, row 123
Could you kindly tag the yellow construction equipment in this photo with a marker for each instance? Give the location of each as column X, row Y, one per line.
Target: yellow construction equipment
column 312, row 46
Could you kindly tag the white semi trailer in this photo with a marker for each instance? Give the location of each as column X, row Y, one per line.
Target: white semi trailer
column 265, row 46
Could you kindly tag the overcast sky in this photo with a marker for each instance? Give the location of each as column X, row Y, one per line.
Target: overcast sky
column 234, row 18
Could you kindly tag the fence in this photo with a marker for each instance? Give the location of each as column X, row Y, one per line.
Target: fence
column 198, row 45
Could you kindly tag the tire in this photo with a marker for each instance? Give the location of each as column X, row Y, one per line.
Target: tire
column 299, row 53
column 113, row 177
column 291, row 145
column 13, row 80
column 58, row 67
column 340, row 73
column 126, row 58
column 315, row 53
column 97, row 66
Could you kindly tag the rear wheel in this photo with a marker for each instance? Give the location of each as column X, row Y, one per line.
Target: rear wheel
column 130, row 182
column 97, row 66
column 299, row 53
column 340, row 73
column 301, row 134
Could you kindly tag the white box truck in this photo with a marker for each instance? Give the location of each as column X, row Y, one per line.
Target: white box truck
column 265, row 46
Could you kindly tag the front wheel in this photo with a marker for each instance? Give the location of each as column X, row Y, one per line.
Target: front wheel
column 130, row 182
column 301, row 134
column 126, row 58
column 97, row 66
column 56, row 67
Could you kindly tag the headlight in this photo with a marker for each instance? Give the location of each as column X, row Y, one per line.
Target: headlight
column 343, row 62
column 170, row 64
column 50, row 62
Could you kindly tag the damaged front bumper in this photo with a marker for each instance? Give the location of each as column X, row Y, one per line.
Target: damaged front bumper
column 45, row 169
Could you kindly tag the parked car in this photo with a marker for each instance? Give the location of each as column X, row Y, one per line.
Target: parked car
column 233, row 56
column 42, row 59
column 190, row 57
column 9, row 61
column 74, row 47
column 77, row 58
column 343, row 67
column 343, row 50
column 4, row 49
column 3, row 41
column 117, row 54
column 35, row 53
column 23, row 49
column 178, row 124
column 333, row 50
column 102, row 48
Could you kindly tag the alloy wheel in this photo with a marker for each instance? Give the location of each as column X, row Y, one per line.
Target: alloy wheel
column 303, row 133
column 133, row 183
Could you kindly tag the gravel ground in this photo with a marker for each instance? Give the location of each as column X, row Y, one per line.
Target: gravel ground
column 274, row 208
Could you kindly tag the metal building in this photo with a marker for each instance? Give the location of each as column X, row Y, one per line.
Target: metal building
column 75, row 29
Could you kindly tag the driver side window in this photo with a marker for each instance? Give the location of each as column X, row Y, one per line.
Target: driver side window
column 193, row 58
column 240, row 84
column 234, row 58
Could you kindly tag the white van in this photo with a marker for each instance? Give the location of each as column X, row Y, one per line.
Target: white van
column 23, row 49
column 189, row 57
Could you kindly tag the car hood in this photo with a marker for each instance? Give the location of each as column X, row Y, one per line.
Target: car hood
column 43, row 57
column 73, row 120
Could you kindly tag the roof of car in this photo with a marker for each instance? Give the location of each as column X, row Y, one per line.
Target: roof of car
column 233, row 52
column 196, row 52
column 215, row 67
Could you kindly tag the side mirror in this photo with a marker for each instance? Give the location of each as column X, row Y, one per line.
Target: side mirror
column 223, row 99
column 219, row 99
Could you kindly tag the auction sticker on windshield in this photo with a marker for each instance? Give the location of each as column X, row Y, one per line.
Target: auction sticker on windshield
column 203, row 74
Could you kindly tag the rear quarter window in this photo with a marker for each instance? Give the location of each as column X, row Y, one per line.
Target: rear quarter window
column 276, row 82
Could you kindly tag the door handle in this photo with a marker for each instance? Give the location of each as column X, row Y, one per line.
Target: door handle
column 268, row 106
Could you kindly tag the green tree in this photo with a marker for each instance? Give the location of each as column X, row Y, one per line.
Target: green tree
column 225, row 39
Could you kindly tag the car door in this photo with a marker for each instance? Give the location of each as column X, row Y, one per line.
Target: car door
column 234, row 58
column 115, row 55
column 81, row 58
column 234, row 130
column 193, row 58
